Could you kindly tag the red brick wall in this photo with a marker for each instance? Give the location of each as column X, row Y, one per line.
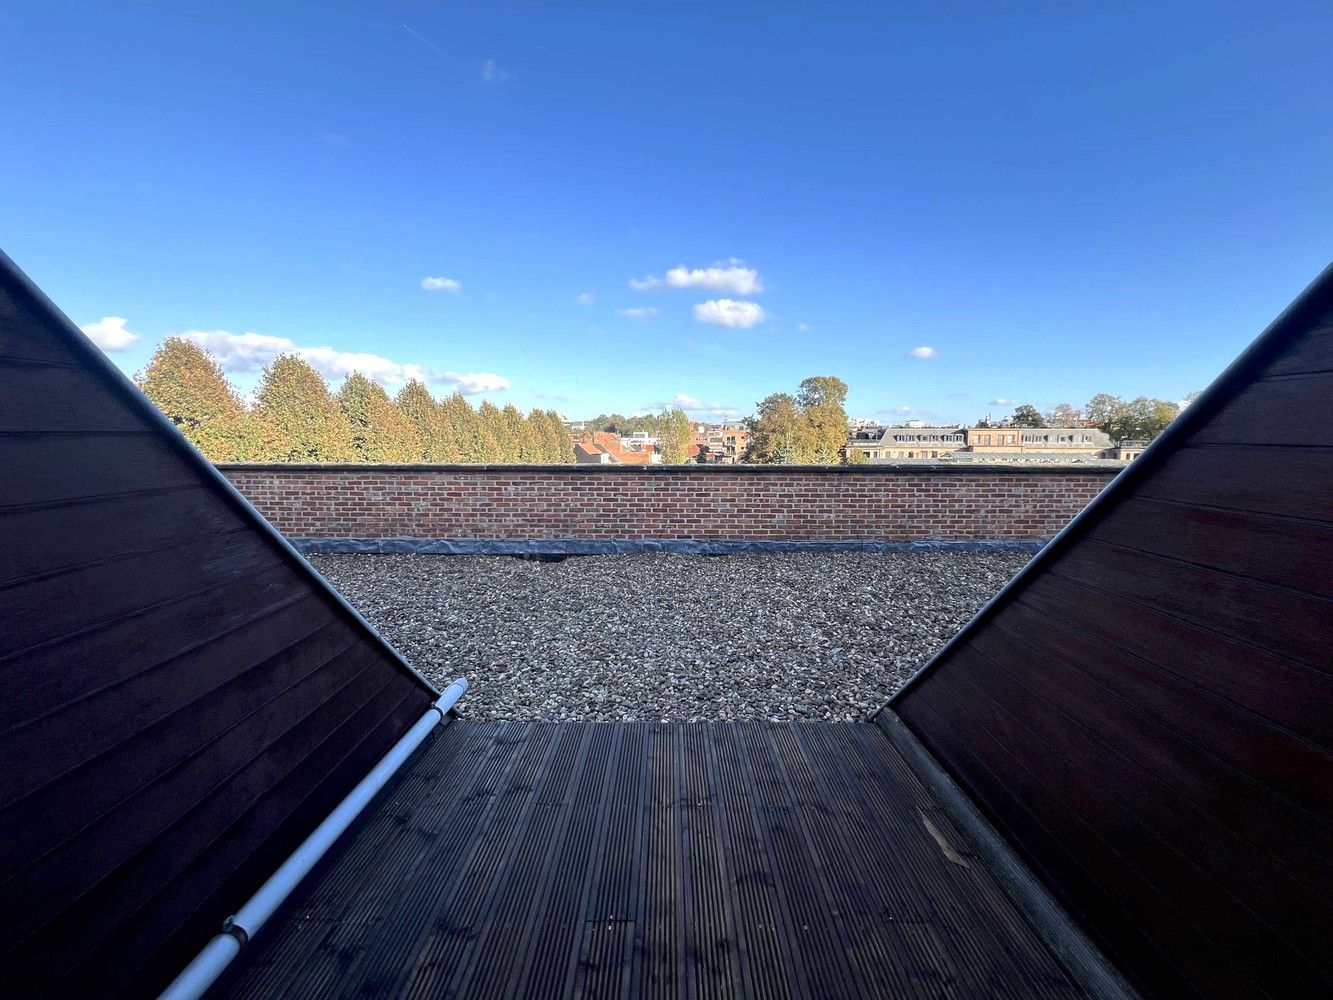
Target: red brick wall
column 706, row 503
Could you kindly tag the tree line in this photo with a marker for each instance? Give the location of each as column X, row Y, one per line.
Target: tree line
column 1134, row 420
column 295, row 417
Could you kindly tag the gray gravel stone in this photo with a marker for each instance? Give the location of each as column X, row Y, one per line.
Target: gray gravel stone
column 669, row 637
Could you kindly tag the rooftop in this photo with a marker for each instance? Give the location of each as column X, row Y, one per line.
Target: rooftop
column 667, row 637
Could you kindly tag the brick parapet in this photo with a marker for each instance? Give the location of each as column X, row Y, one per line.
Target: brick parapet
column 735, row 503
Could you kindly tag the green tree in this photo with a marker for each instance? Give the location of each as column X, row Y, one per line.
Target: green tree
column 821, row 399
column 1026, row 415
column 561, row 439
column 495, row 430
column 1104, row 408
column 821, row 390
column 436, row 438
column 776, row 431
column 293, row 398
column 258, row 441
column 515, row 447
column 1142, row 419
column 1163, row 412
column 476, row 443
column 674, row 436
column 189, row 387
column 615, row 423
column 380, row 431
column 825, row 435
column 551, row 440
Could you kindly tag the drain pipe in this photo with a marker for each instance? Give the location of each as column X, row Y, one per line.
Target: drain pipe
column 200, row 974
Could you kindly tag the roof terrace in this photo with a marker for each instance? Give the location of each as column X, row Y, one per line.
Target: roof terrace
column 1113, row 779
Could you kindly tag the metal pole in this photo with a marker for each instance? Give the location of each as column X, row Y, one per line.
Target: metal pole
column 200, row 974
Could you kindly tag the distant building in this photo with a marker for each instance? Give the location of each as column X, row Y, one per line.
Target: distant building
column 591, row 453
column 1025, row 440
column 605, row 448
column 637, row 440
column 914, row 442
column 723, row 444
column 1125, row 450
column 880, row 444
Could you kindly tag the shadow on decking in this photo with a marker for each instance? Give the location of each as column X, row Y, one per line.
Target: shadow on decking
column 610, row 859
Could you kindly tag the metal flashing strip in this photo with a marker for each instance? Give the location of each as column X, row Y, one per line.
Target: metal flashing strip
column 637, row 546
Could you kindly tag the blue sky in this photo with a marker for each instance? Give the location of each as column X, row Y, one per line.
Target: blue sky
column 1056, row 199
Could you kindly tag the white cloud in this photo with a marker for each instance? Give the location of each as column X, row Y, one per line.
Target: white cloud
column 109, row 333
column 697, row 408
column 731, row 278
column 921, row 352
column 440, row 284
column 1003, row 402
column 586, row 298
column 638, row 312
column 471, row 383
column 730, row 313
column 491, row 73
column 249, row 352
column 802, row 327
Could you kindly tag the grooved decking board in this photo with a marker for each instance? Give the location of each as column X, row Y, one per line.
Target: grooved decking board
column 642, row 860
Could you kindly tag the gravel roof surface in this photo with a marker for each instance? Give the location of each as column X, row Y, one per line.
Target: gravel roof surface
column 670, row 637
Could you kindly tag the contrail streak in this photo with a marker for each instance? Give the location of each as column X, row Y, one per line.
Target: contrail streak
column 426, row 40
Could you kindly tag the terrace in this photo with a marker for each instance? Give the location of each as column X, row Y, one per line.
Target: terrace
column 1112, row 779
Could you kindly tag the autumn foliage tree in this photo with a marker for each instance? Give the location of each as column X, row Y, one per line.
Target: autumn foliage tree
column 777, row 432
column 809, row 428
column 297, row 419
column 495, row 430
column 189, row 387
column 381, row 432
column 436, row 439
column 294, row 399
column 514, row 447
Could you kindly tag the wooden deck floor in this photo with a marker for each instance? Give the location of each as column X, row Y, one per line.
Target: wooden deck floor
column 639, row 860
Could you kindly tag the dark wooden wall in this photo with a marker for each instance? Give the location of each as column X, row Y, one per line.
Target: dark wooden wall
column 181, row 700
column 1147, row 712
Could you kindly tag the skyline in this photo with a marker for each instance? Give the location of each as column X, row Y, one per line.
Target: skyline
column 600, row 212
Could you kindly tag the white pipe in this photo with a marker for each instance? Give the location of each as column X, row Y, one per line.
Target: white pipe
column 200, row 974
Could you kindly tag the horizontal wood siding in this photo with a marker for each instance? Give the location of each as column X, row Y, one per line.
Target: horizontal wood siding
column 181, row 701
column 1147, row 714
